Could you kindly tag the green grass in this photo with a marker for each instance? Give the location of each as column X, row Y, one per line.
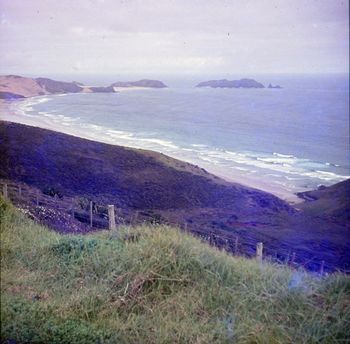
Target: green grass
column 156, row 285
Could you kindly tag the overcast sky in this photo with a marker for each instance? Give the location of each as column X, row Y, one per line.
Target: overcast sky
column 176, row 37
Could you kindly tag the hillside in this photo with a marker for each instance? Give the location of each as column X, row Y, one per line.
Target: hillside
column 155, row 285
column 329, row 202
column 14, row 86
column 151, row 187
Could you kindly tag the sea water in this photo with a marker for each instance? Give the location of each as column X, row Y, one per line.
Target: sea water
column 292, row 139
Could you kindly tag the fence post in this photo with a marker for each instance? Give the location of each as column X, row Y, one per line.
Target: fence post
column 19, row 191
column 4, row 191
column 111, row 217
column 90, row 213
column 37, row 197
column 293, row 258
column 227, row 247
column 259, row 252
column 236, row 245
column 322, row 268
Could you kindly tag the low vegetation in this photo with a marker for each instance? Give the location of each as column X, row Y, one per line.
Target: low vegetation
column 156, row 284
column 59, row 172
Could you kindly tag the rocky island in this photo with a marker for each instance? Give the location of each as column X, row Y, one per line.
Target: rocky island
column 272, row 86
column 224, row 83
column 147, row 83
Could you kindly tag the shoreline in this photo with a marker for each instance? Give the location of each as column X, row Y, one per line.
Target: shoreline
column 86, row 89
column 7, row 114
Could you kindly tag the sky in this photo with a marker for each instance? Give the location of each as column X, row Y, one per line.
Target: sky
column 176, row 37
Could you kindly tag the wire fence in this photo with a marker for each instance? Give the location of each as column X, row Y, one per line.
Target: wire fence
column 100, row 216
column 81, row 209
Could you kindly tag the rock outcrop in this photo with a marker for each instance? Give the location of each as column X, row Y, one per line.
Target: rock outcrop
column 276, row 86
column 140, row 83
column 101, row 89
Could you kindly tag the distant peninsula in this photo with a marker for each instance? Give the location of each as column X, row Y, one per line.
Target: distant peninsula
column 224, row 83
column 15, row 87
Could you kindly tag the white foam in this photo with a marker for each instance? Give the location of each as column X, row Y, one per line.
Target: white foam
column 198, row 145
column 205, row 158
column 287, row 165
column 283, row 155
column 271, row 166
column 240, row 168
column 118, row 134
column 323, row 175
column 41, row 100
column 277, row 161
column 331, row 164
column 164, row 143
column 25, row 107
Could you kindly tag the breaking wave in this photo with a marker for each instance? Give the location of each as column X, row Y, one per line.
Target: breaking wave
column 290, row 171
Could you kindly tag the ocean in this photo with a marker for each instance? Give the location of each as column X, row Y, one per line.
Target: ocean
column 282, row 140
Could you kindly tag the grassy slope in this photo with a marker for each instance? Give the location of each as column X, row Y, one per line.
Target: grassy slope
column 163, row 287
column 149, row 186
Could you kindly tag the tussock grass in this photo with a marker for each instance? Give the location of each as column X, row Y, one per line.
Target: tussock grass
column 156, row 285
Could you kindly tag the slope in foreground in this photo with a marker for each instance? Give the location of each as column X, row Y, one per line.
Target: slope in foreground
column 155, row 285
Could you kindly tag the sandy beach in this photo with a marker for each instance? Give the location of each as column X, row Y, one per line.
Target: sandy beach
column 8, row 112
column 86, row 88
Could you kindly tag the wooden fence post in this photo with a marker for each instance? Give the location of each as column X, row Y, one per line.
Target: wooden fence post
column 322, row 268
column 90, row 213
column 19, row 191
column 4, row 191
column 293, row 258
column 111, row 217
column 236, row 245
column 259, row 252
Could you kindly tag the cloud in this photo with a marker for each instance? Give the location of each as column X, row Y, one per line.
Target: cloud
column 175, row 36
